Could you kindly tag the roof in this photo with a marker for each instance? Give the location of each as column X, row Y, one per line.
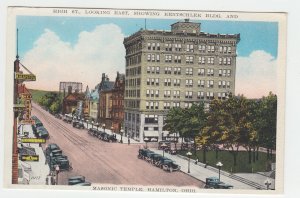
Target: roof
column 75, row 96
column 94, row 94
column 107, row 85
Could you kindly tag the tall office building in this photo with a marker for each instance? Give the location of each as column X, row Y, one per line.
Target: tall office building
column 176, row 68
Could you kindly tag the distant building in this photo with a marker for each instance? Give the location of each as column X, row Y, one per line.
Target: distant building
column 94, row 103
column 176, row 68
column 70, row 102
column 105, row 102
column 117, row 97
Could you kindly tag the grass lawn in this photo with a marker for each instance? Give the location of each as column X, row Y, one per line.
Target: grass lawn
column 227, row 160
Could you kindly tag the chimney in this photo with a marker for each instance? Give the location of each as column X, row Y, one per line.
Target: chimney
column 103, row 77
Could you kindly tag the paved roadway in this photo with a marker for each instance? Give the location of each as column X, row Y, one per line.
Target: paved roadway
column 105, row 163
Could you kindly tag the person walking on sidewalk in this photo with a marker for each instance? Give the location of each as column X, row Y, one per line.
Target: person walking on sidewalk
column 128, row 140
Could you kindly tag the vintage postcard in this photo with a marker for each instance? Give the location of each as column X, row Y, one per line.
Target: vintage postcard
column 145, row 100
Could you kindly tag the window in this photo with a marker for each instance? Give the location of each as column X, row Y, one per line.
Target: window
column 200, row 95
column 201, row 48
column 156, row 93
column 153, row 46
column 189, row 94
column 168, row 58
column 152, row 81
column 220, row 49
column 229, row 49
column 176, row 104
column 157, row 58
column 211, row 48
column 209, row 95
column 166, row 105
column 190, row 48
column 201, row 60
column 210, row 84
column 228, row 72
column 188, row 104
column 147, row 105
column 189, row 71
column 149, row 46
column 153, row 57
column 168, row 70
column 147, row 93
column 176, row 82
column 149, row 57
column 177, row 70
column 157, row 82
column 176, row 94
column 151, row 119
column 177, row 59
column 201, row 72
column 168, row 47
column 157, row 70
column 210, row 60
column 222, row 84
column 210, row 72
column 157, row 46
column 167, row 93
column 222, row 96
column 177, row 47
column 167, row 82
column 189, row 59
column 228, row 85
column 189, row 83
column 153, row 70
column 201, row 83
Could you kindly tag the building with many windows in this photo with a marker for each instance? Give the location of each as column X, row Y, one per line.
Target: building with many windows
column 176, row 68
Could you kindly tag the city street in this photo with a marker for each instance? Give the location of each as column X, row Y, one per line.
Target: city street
column 102, row 162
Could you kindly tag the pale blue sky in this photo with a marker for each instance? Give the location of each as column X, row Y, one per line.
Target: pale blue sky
column 254, row 35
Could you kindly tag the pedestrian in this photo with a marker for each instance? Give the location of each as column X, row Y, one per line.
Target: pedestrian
column 128, row 140
column 52, row 180
column 47, row 180
column 196, row 161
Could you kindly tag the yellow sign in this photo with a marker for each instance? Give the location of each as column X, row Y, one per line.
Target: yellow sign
column 33, row 140
column 28, row 122
column 26, row 77
column 30, row 158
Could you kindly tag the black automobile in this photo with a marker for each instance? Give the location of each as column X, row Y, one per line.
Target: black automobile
column 63, row 164
column 77, row 124
column 83, row 184
column 215, row 183
column 143, row 153
column 112, row 138
column 92, row 131
column 169, row 165
column 58, row 116
column 51, row 147
column 67, row 119
column 167, row 143
column 76, row 180
column 42, row 132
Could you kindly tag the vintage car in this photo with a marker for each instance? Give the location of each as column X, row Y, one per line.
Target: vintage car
column 83, row 184
column 111, row 138
column 155, row 158
column 77, row 124
column 167, row 143
column 143, row 153
column 215, row 183
column 42, row 132
column 67, row 119
column 76, row 180
column 92, row 131
column 58, row 116
column 63, row 164
column 51, row 147
column 169, row 165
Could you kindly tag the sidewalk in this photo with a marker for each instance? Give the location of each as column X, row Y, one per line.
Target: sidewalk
column 199, row 172
column 39, row 170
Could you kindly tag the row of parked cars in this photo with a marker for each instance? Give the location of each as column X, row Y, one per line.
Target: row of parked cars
column 55, row 157
column 102, row 135
column 158, row 160
column 78, row 181
column 38, row 129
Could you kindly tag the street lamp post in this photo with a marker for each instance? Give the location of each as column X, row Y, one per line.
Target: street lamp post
column 146, row 140
column 57, row 171
column 163, row 146
column 103, row 126
column 92, row 124
column 112, row 129
column 189, row 154
column 219, row 165
column 87, row 124
column 121, row 131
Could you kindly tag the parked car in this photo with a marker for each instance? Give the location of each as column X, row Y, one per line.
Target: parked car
column 43, row 133
column 167, row 143
column 51, row 147
column 67, row 119
column 76, row 180
column 83, row 184
column 58, row 116
column 215, row 183
column 63, row 164
column 143, row 153
column 78, row 125
column 169, row 165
